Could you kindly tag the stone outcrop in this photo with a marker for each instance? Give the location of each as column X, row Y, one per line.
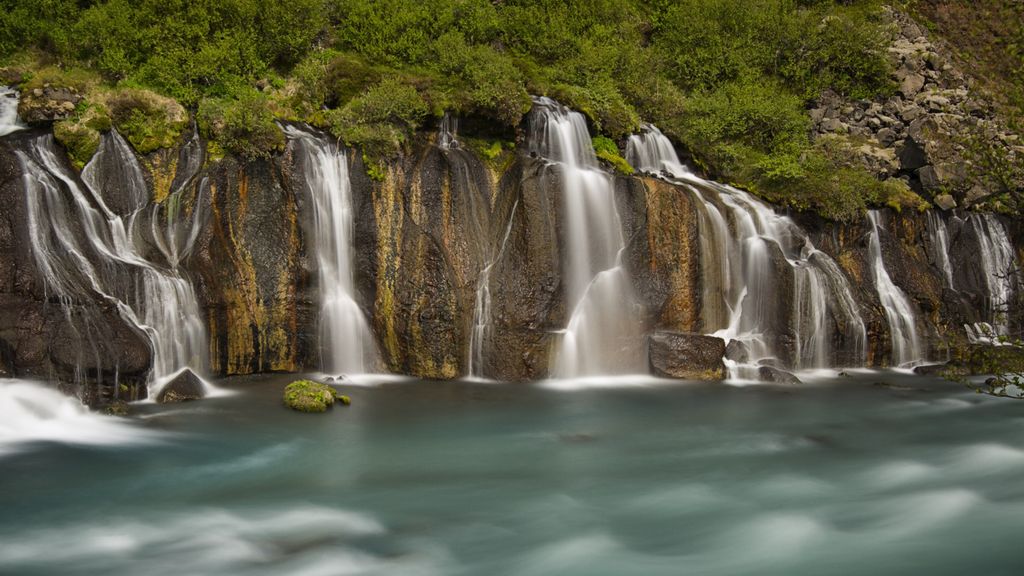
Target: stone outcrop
column 930, row 131
column 48, row 104
column 687, row 356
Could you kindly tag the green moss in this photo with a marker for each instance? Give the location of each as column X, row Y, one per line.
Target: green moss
column 310, row 396
column 80, row 141
column 606, row 150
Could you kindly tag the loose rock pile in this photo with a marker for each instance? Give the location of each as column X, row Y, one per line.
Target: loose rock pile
column 922, row 132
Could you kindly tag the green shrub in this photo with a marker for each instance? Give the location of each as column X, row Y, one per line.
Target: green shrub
column 243, row 125
column 382, row 119
column 146, row 119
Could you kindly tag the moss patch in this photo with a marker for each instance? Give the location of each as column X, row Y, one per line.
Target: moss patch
column 606, row 150
column 309, row 396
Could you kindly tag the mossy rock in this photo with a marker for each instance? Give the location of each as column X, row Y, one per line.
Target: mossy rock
column 310, row 396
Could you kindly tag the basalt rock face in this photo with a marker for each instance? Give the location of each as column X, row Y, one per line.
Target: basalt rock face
column 662, row 251
column 424, row 237
column 252, row 270
column 84, row 344
column 910, row 253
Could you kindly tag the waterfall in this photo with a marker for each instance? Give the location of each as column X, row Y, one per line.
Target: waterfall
column 9, row 111
column 346, row 343
column 482, row 308
column 107, row 258
column 999, row 265
column 939, row 234
column 446, row 135
column 742, row 243
column 906, row 347
column 603, row 332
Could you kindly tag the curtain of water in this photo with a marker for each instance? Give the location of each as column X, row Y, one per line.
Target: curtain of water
column 603, row 331
column 742, row 243
column 347, row 344
column 906, row 346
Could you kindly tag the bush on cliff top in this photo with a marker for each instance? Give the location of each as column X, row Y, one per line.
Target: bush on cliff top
column 728, row 78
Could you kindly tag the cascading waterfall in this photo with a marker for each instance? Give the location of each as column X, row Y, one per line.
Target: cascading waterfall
column 906, row 346
column 999, row 264
column 107, row 258
column 739, row 298
column 939, row 233
column 9, row 111
column 998, row 268
column 603, row 333
column 482, row 321
column 346, row 343
column 446, row 135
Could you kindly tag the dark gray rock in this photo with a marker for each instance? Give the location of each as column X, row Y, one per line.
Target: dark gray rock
column 776, row 376
column 737, row 351
column 184, row 388
column 687, row 356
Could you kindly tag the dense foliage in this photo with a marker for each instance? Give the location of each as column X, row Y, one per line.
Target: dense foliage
column 730, row 80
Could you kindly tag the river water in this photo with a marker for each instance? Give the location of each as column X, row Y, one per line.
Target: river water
column 875, row 473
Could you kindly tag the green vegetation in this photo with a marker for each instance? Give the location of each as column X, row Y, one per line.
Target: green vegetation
column 606, row 150
column 309, row 396
column 728, row 79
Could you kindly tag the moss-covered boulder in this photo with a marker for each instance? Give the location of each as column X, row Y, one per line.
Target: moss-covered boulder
column 310, row 396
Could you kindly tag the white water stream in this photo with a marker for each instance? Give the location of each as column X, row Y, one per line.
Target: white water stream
column 742, row 242
column 603, row 333
column 346, row 343
column 9, row 111
column 107, row 258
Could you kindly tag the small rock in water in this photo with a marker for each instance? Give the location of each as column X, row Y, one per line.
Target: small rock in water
column 772, row 374
column 185, row 387
column 328, row 379
column 310, row 396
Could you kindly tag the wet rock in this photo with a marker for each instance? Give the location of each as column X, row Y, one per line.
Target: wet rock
column 737, row 351
column 185, row 387
column 776, row 376
column 117, row 408
column 687, row 356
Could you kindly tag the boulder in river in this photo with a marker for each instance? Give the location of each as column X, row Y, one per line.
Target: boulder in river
column 776, row 376
column 687, row 356
column 185, row 387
